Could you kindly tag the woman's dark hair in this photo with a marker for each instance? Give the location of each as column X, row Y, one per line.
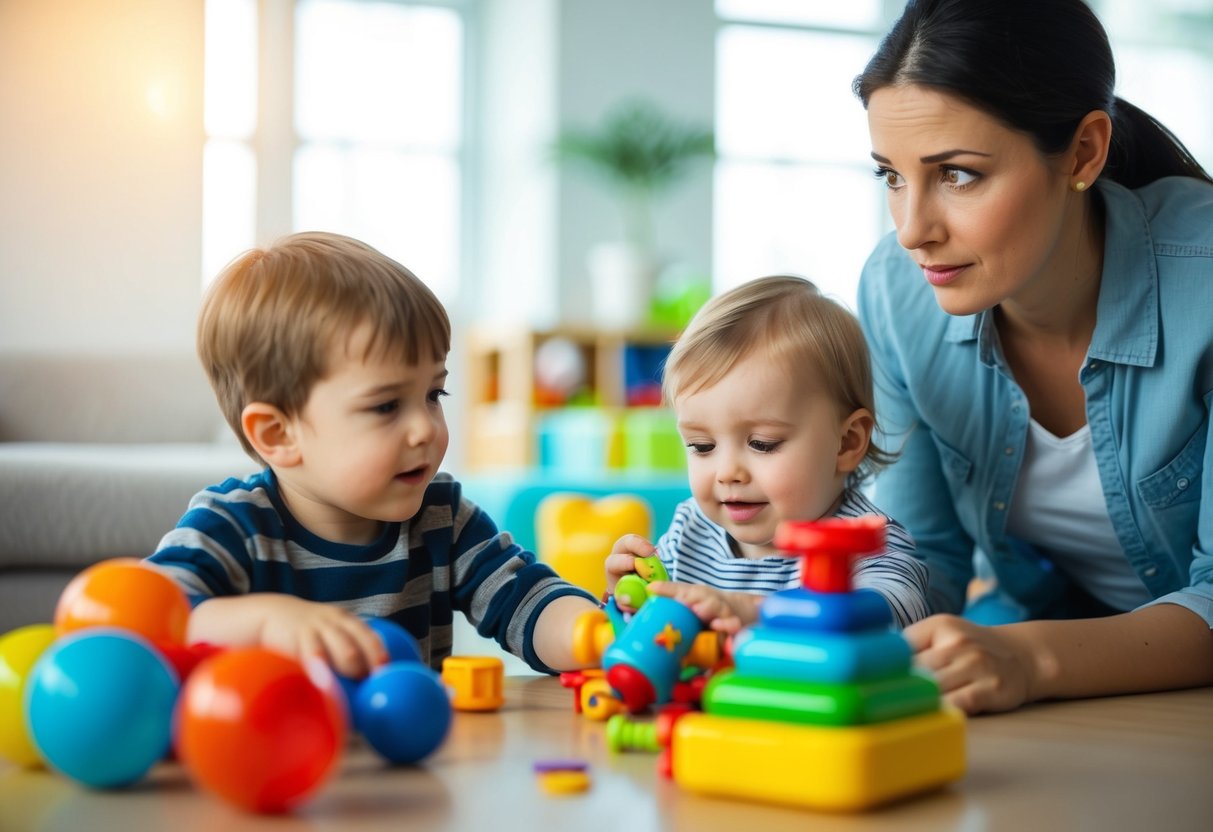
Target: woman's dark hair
column 1039, row 66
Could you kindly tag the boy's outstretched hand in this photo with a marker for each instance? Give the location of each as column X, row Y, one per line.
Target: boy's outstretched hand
column 724, row 612
column 292, row 626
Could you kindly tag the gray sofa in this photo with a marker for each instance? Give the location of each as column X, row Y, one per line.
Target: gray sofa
column 99, row 456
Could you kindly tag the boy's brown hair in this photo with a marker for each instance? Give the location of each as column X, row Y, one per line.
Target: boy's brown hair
column 270, row 318
column 786, row 318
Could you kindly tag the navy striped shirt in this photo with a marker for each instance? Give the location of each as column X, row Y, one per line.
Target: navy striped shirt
column 238, row 537
column 695, row 550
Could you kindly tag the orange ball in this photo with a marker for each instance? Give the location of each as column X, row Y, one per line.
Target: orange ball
column 125, row 593
column 259, row 729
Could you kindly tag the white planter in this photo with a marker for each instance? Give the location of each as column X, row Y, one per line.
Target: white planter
column 622, row 280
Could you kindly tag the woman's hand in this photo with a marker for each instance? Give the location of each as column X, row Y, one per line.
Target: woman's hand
column 292, row 626
column 724, row 612
column 978, row 668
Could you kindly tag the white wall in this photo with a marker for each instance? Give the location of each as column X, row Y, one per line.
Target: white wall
column 100, row 160
column 100, row 174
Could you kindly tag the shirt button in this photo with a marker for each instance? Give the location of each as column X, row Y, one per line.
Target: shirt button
column 1150, row 571
column 999, row 505
column 1094, row 365
column 1182, row 483
column 1009, row 451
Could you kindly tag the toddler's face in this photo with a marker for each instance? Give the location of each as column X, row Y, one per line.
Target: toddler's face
column 760, row 452
column 372, row 436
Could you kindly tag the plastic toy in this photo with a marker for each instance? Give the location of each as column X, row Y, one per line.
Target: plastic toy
column 632, row 589
column 564, row 782
column 477, row 682
column 399, row 642
column 99, row 705
column 557, row 777
column 822, row 709
column 561, row 372
column 125, row 593
column 574, row 534
column 643, row 662
column 260, row 730
column 623, row 734
column 404, row 711
column 19, row 650
column 400, row 646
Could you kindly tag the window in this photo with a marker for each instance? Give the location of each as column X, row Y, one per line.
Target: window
column 794, row 186
column 794, row 190
column 358, row 128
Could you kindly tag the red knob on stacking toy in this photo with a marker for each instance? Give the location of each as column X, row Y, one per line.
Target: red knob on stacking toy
column 827, row 547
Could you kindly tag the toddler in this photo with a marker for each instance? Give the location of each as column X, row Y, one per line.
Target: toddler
column 772, row 390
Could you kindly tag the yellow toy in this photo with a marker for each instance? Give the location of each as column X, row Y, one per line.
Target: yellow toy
column 575, row 534
column 818, row 767
column 19, row 650
column 476, row 682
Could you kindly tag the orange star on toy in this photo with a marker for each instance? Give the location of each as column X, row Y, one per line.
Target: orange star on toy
column 669, row 637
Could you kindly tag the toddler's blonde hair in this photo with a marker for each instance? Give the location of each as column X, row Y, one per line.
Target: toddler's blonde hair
column 786, row 319
column 271, row 317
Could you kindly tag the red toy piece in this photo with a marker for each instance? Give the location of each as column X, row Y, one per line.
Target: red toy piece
column 827, row 548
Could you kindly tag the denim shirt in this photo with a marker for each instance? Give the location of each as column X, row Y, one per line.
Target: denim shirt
column 946, row 398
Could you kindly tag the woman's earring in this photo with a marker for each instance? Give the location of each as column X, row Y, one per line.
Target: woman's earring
column 1080, row 186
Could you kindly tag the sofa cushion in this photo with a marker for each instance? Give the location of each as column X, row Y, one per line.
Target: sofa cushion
column 48, row 397
column 72, row 504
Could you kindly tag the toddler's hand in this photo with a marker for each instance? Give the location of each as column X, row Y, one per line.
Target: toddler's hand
column 622, row 560
column 302, row 628
column 724, row 612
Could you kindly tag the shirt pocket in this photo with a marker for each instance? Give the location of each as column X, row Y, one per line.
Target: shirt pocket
column 1177, row 482
column 956, row 466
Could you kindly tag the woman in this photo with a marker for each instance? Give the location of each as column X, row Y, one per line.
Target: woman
column 1042, row 334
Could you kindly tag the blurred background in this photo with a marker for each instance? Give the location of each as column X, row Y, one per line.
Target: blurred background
column 572, row 177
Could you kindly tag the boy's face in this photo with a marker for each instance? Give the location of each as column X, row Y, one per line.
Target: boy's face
column 371, row 437
column 761, row 451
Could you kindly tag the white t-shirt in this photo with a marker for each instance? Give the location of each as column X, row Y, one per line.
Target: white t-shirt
column 1059, row 507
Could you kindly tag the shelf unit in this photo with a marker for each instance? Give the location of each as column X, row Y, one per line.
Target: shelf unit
column 508, row 405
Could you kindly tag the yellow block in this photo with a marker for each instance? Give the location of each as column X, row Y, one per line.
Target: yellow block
column 574, row 534
column 476, row 682
column 815, row 766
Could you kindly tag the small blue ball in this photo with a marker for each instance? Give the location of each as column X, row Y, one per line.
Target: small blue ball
column 404, row 711
column 99, row 705
column 400, row 644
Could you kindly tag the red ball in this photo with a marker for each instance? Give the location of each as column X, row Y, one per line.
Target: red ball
column 259, row 729
column 125, row 593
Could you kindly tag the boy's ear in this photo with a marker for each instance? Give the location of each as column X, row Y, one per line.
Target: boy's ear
column 271, row 434
column 855, row 433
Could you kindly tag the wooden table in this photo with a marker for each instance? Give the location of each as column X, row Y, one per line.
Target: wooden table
column 1131, row 763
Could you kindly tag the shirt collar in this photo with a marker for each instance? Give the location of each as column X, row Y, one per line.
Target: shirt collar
column 1126, row 318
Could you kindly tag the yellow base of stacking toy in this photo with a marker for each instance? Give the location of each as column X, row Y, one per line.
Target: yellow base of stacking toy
column 834, row 768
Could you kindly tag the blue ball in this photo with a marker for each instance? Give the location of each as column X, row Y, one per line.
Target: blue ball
column 400, row 644
column 404, row 711
column 99, row 705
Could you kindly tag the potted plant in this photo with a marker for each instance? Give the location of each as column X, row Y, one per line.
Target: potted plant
column 640, row 153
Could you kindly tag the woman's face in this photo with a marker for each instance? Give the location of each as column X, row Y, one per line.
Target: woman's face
column 976, row 205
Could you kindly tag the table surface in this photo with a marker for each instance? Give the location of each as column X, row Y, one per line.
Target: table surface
column 1130, row 762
